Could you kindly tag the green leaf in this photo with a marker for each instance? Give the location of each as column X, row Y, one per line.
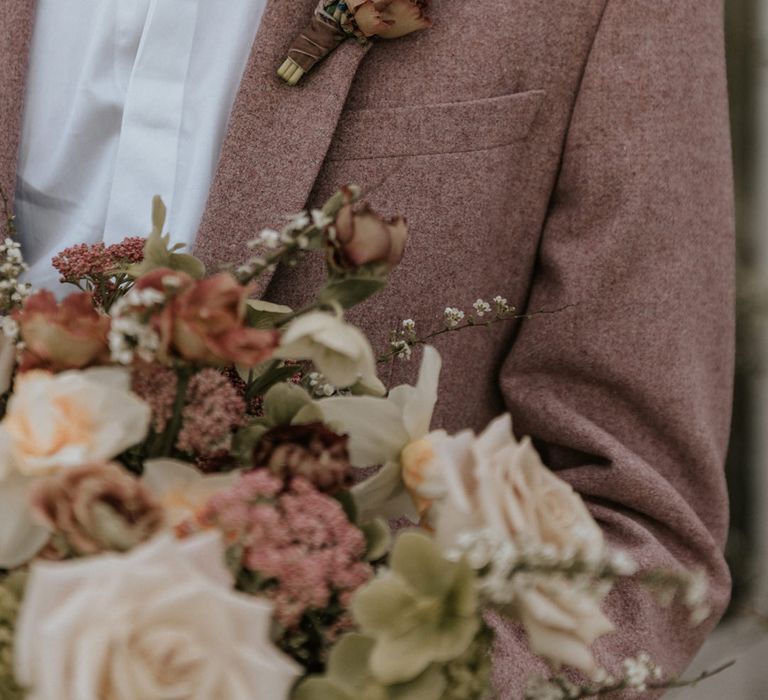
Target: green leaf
column 350, row 291
column 158, row 251
column 320, row 689
column 272, row 374
column 245, row 439
column 283, row 401
column 378, row 538
column 348, row 504
column 263, row 314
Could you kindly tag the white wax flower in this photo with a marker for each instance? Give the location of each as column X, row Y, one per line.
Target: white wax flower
column 159, row 622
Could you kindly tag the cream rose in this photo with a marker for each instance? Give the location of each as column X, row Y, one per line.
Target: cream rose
column 159, row 622
column 338, row 350
column 55, row 422
column 561, row 619
column 181, row 489
column 69, row 419
column 495, row 482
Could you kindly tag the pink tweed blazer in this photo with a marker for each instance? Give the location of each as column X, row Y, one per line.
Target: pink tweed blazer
column 568, row 152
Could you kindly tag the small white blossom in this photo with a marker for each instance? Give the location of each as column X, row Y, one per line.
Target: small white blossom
column 453, row 316
column 481, row 307
column 320, row 219
column 269, row 238
column 409, row 325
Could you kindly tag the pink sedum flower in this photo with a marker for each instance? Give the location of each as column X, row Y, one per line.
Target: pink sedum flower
column 296, row 546
column 214, row 408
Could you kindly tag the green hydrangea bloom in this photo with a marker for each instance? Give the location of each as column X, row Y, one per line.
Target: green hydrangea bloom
column 349, row 678
column 423, row 611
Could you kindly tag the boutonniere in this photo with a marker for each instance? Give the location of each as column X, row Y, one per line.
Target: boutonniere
column 335, row 21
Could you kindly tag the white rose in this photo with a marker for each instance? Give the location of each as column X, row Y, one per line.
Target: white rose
column 339, row 350
column 55, row 421
column 181, row 489
column 159, row 622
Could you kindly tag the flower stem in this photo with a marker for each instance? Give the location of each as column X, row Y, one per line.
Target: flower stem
column 169, row 435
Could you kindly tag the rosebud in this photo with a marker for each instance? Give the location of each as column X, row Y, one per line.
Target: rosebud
column 363, row 237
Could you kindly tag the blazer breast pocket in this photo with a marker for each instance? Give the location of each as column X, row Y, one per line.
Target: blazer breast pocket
column 450, row 127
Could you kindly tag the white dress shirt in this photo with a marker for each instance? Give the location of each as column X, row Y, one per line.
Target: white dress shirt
column 125, row 99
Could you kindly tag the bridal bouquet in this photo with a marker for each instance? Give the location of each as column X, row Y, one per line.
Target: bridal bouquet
column 186, row 509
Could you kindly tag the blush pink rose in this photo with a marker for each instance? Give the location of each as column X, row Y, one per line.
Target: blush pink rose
column 62, row 336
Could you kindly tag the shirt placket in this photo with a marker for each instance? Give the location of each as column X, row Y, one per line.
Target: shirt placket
column 147, row 155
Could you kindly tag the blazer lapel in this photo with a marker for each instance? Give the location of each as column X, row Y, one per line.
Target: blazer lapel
column 16, row 22
column 277, row 139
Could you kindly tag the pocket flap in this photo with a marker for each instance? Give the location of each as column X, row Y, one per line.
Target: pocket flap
column 431, row 129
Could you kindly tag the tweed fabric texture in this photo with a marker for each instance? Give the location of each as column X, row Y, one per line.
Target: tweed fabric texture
column 562, row 154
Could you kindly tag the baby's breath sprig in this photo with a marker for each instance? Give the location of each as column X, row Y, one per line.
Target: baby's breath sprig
column 403, row 340
column 12, row 266
column 302, row 232
column 639, row 675
column 501, row 561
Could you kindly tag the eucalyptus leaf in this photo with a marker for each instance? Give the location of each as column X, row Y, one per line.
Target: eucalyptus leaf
column 350, row 291
column 264, row 314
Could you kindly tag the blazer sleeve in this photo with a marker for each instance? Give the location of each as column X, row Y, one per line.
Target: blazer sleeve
column 628, row 393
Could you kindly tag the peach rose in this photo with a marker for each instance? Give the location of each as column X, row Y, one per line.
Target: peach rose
column 362, row 237
column 61, row 336
column 96, row 508
column 203, row 321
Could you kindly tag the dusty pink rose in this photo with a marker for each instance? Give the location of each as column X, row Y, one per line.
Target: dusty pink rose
column 62, row 336
column 389, row 19
column 204, row 320
column 363, row 237
column 96, row 508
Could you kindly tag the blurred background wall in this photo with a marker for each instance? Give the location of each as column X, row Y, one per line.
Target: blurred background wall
column 743, row 635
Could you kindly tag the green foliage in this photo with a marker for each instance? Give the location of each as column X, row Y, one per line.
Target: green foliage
column 158, row 251
column 11, row 593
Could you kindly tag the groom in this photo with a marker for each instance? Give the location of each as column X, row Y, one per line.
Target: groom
column 572, row 152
